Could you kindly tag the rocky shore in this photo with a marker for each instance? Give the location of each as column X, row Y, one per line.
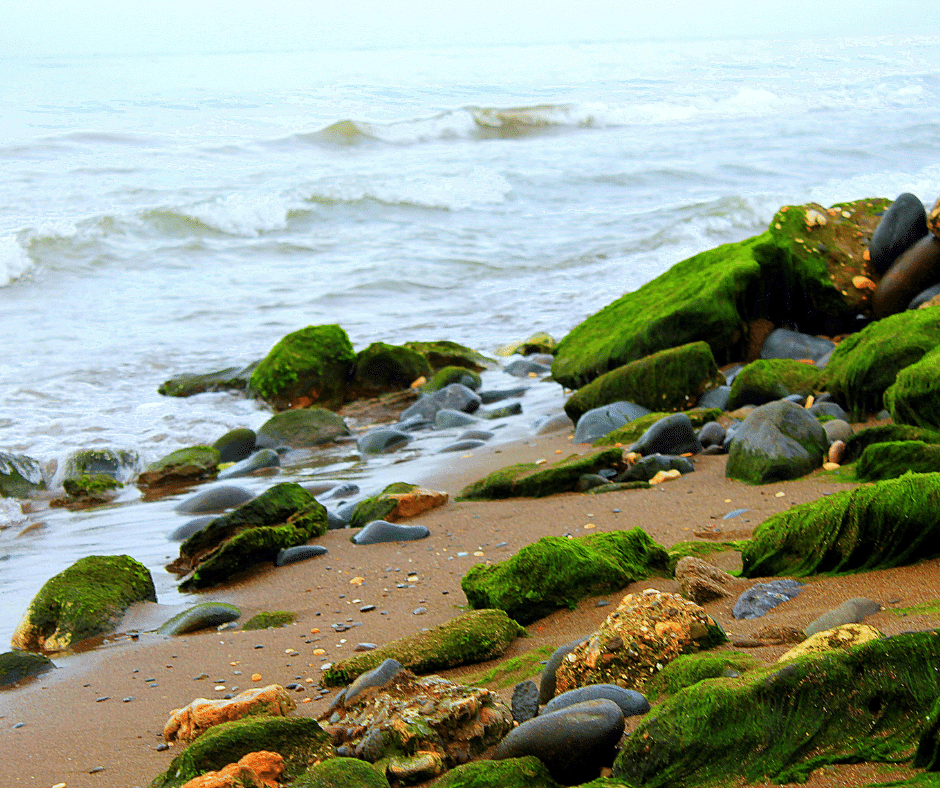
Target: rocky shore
column 711, row 561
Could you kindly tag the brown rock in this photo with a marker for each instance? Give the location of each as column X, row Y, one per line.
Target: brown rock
column 933, row 219
column 189, row 723
column 260, row 769
column 414, row 502
column 701, row 581
column 836, row 452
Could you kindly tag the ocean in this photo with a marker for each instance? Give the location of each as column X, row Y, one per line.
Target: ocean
column 181, row 213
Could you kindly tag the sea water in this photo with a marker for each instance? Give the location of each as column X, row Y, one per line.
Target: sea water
column 182, row 213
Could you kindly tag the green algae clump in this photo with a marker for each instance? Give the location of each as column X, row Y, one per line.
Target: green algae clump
column 886, row 433
column 526, row 772
column 890, row 460
column 690, row 669
column 555, row 572
column 273, row 620
column 381, row 368
column 444, row 353
column 767, row 380
column 182, row 466
column 444, row 377
column 341, row 773
column 914, row 397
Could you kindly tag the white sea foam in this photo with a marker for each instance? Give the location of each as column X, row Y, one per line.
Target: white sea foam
column 245, row 214
column 14, row 261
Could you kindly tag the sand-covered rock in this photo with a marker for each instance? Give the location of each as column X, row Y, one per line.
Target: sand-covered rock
column 193, row 720
column 841, row 637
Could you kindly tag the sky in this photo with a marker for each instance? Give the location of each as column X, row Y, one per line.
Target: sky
column 70, row 27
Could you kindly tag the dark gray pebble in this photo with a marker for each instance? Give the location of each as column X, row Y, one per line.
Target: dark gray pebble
column 191, row 527
column 476, row 435
column 547, row 684
column 630, row 702
column 733, row 513
column 525, row 701
column 382, row 441
column 383, row 531
column 291, row 555
column 762, row 597
column 215, row 499
column 522, row 367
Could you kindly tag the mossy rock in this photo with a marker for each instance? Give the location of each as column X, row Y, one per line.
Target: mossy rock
column 18, row 665
column 85, row 600
column 690, row 669
column 886, row 433
column 532, row 480
column 669, row 380
column 444, row 377
column 191, row 383
column 19, row 475
column 310, row 367
column 928, row 748
column 539, row 342
column 527, row 772
column 303, row 428
column 700, row 549
column 444, row 353
column 341, row 773
column 299, row 741
column 878, row 526
column 556, row 572
column 270, row 620
column 90, row 485
column 381, row 368
column 474, row 637
column 866, row 364
column 771, row 379
column 285, row 515
column 510, row 672
column 867, row 703
column 914, row 397
column 890, row 460
column 380, row 506
column 181, row 466
column 119, row 464
column 632, row 430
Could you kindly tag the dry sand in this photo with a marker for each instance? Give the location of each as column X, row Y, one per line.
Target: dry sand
column 98, row 719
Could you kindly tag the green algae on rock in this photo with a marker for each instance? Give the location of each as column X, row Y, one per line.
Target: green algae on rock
column 868, row 703
column 381, row 368
column 273, row 619
column 886, row 524
column 535, row 480
column 181, row 466
column 300, row 742
column 690, row 669
column 90, row 486
column 19, row 475
column 302, row 428
column 285, row 515
column 474, row 637
column 914, row 397
column 341, row 773
column 85, row 600
column 445, row 353
column 18, row 665
column 886, row 433
column 311, row 365
column 188, row 384
column 444, row 377
column 669, row 380
column 633, row 430
column 556, row 572
column 525, row 772
column 767, row 380
column 890, row 460
column 397, row 501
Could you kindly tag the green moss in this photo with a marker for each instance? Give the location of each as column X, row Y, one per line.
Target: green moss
column 768, row 380
column 533, row 480
column 380, row 506
column 886, row 433
column 188, row 384
column 527, row 772
column 631, row 431
column 539, row 342
column 444, row 377
column 90, row 485
column 931, row 608
column 341, row 773
column 690, row 669
column 890, row 460
column 189, row 464
column 85, row 600
column 449, row 354
column 314, row 362
column 511, row 671
column 381, row 367
column 18, row 665
column 669, row 380
column 275, row 619
column 697, row 549
column 556, row 572
column 473, row 637
column 886, row 524
column 866, row 703
column 110, row 462
column 914, row 397
column 300, row 742
column 302, row 428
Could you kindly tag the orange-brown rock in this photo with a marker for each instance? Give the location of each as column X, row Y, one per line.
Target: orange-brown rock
column 933, row 219
column 703, row 582
column 189, row 723
column 260, row 769
column 414, row 502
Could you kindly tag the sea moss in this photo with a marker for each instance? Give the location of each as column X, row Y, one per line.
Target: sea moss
column 444, row 377
column 767, row 380
column 382, row 367
column 511, row 671
column 890, row 460
column 632, row 430
column 444, row 353
column 380, row 506
column 914, row 397
column 556, row 572
column 274, row 619
column 690, row 669
column 341, row 773
column 473, row 637
column 526, row 772
column 193, row 463
column 886, row 524
column 886, row 433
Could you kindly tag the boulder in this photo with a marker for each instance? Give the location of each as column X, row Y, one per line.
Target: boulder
column 396, row 502
column 763, row 381
column 453, row 397
column 262, row 462
column 671, row 379
column 701, row 582
column 444, row 377
column 308, row 367
column 852, row 611
column 189, row 383
column 886, row 433
column 235, row 445
column 85, row 600
column 556, row 572
column 19, row 475
column 526, row 368
column 303, row 428
column 776, row 441
column 914, row 397
column 902, row 225
column 18, row 665
column 183, row 466
column 913, row 272
column 444, row 353
column 283, row 516
column 631, row 702
column 201, row 616
column 783, row 343
column 473, row 637
column 381, row 368
column 890, row 460
column 189, row 723
column 341, row 773
column 878, row 526
column 597, row 422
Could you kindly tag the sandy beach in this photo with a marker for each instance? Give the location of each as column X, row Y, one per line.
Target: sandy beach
column 98, row 719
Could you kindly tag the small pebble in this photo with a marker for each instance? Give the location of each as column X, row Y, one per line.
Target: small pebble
column 366, row 608
column 256, row 677
column 259, row 645
column 19, row 725
column 419, row 611
column 219, row 688
column 96, row 770
column 102, row 699
column 602, row 603
column 200, row 677
column 128, row 699
column 163, row 747
column 365, row 647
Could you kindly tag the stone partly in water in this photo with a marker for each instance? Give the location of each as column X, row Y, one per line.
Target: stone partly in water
column 444, row 377
column 189, row 723
column 381, row 368
column 214, row 499
column 85, row 600
column 235, row 445
column 19, row 475
column 119, row 464
column 91, row 488
column 382, row 440
column 201, row 616
column 445, row 353
column 261, row 462
column 18, row 665
column 303, row 428
column 190, row 383
column 453, row 397
column 183, row 466
column 379, row 531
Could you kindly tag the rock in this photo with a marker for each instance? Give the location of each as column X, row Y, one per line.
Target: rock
column 890, row 460
column 831, row 409
column 631, row 703
column 293, row 555
column 759, row 599
column 547, row 683
column 915, row 270
column 755, row 728
column 490, row 396
column 837, row 430
column 903, row 224
column 761, row 382
column 886, row 433
column 925, row 298
column 476, row 435
column 528, row 772
column 262, row 461
column 933, row 219
column 840, row 637
column 512, row 409
column 235, row 445
column 712, row 434
column 554, row 423
column 646, row 468
column 852, row 611
column 453, row 397
column 214, row 499
column 18, row 665
column 446, row 418
column 445, row 353
column 85, row 600
column 190, row 383
column 690, row 669
column 464, row 445
column 645, row 632
column 397, row 501
column 303, row 428
column 715, row 398
column 301, row 742
column 119, row 464
column 671, row 379
column 190, row 527
column 382, row 440
column 573, row 743
column 878, row 526
column 444, row 377
column 556, row 572
column 525, row 701
column 382, row 368
column 189, row 723
column 539, row 342
column 181, row 467
column 201, row 616
column 310, row 366
column 589, row 481
column 524, row 368
column 786, row 344
column 91, row 488
column 254, row 769
column 418, row 727
column 379, row 531
column 19, row 475
column 777, row 441
column 597, row 422
column 701, row 582
column 673, row 436
column 913, row 398
column 375, row 678
column 285, row 515
column 341, row 773
column 836, row 452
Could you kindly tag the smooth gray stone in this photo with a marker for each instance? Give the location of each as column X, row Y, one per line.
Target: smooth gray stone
column 345, row 490
column 292, row 555
column 446, row 418
column 18, row 665
column 319, row 488
column 466, row 445
column 630, row 702
column 827, row 408
column 377, row 677
column 823, row 361
column 263, row 459
column 201, row 616
column 512, row 409
column 903, row 224
column 382, row 531
column 731, row 372
column 495, row 395
column 796, row 399
column 924, row 296
column 522, row 367
column 191, row 527
column 838, row 430
column 715, row 398
column 334, row 521
column 670, row 435
column 852, row 611
column 382, row 440
column 597, row 422
column 525, row 701
column 733, row 513
column 646, row 468
column 588, row 481
column 455, row 397
column 556, row 423
column 711, row 434
column 574, row 743
column 784, row 343
column 215, row 499
column 547, row 683
column 236, row 445
column 762, row 597
column 476, row 435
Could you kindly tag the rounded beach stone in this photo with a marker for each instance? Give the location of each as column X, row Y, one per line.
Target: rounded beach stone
column 852, row 611
column 715, row 398
column 455, row 396
column 292, row 555
column 597, row 422
column 476, row 435
column 555, row 423
column 377, row 677
column 202, row 616
column 525, row 701
column 924, row 296
column 838, row 430
column 190, row 527
column 447, row 417
column 523, row 367
column 826, row 408
column 701, row 581
column 784, row 343
column 383, row 531
column 712, row 434
column 574, row 743
column 670, row 435
column 630, row 702
column 235, row 445
column 301, row 428
column 903, row 224
column 261, row 460
column 386, row 439
column 547, row 684
column 490, row 396
column 465, row 445
column 762, row 597
column 215, row 499
column 912, row 272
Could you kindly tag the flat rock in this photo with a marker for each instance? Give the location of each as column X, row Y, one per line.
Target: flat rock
column 201, row 616
column 292, row 555
column 214, row 499
column 852, row 611
column 383, row 531
column 763, row 597
column 382, row 441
